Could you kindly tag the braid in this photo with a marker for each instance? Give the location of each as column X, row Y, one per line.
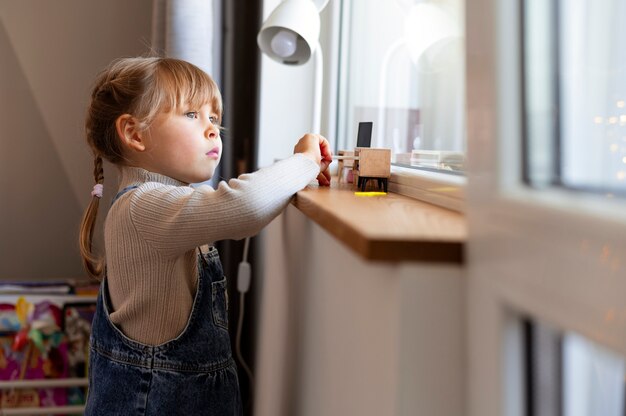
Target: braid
column 98, row 170
column 94, row 265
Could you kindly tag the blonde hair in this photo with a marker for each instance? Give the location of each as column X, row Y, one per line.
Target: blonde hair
column 143, row 88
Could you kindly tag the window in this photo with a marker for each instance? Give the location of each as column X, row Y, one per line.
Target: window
column 565, row 373
column 402, row 68
column 540, row 73
column 575, row 94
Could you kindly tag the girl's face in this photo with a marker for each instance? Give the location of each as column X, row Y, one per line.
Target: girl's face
column 184, row 144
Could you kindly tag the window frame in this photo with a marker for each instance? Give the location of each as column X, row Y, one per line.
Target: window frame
column 552, row 254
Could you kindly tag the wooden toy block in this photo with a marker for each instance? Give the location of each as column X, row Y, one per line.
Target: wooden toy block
column 375, row 163
column 372, row 164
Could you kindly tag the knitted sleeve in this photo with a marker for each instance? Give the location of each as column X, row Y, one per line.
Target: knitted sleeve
column 175, row 219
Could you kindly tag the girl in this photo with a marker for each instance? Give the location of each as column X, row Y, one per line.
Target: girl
column 160, row 343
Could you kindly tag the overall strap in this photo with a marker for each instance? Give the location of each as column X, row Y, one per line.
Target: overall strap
column 122, row 192
column 201, row 254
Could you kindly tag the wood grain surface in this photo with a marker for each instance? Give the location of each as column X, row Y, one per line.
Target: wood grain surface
column 388, row 227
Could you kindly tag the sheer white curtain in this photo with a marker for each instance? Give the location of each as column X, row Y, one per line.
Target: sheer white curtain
column 190, row 30
column 186, row 29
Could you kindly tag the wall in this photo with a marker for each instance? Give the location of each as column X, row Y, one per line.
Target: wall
column 50, row 51
column 342, row 336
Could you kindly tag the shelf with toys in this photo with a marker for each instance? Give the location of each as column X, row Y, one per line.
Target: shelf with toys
column 44, row 339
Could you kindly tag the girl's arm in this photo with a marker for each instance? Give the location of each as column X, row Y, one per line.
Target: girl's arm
column 177, row 219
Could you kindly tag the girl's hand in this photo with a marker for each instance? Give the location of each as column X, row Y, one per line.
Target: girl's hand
column 316, row 148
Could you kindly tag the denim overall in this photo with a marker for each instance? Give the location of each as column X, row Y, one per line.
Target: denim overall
column 193, row 374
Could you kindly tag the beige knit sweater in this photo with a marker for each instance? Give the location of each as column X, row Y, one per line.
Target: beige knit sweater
column 151, row 234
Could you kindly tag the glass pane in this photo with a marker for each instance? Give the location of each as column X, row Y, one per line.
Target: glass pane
column 593, row 80
column 540, row 94
column 593, row 379
column 403, row 70
column 575, row 93
column 561, row 372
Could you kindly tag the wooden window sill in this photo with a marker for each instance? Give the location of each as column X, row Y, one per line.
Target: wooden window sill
column 390, row 227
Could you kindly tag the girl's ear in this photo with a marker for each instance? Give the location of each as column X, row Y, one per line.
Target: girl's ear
column 127, row 128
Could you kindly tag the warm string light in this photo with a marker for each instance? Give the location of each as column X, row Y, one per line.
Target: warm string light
column 614, row 147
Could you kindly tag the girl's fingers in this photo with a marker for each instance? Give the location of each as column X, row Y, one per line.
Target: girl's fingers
column 325, row 150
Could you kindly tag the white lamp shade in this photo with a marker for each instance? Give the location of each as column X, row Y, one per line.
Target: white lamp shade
column 290, row 34
column 430, row 32
column 320, row 4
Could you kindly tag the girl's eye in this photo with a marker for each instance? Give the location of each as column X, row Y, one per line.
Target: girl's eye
column 214, row 120
column 191, row 114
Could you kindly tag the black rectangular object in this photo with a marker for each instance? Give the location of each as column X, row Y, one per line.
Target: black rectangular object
column 364, row 136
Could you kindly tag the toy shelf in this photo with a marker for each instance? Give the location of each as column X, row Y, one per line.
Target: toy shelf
column 60, row 410
column 8, row 387
column 44, row 383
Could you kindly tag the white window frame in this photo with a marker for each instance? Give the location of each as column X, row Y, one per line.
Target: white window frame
column 445, row 190
column 554, row 255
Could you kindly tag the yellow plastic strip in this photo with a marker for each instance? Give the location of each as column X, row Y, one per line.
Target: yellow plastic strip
column 370, row 193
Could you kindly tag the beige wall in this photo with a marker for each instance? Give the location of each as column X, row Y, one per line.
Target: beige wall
column 50, row 52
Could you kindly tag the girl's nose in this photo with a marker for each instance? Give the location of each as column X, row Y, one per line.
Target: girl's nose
column 211, row 131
